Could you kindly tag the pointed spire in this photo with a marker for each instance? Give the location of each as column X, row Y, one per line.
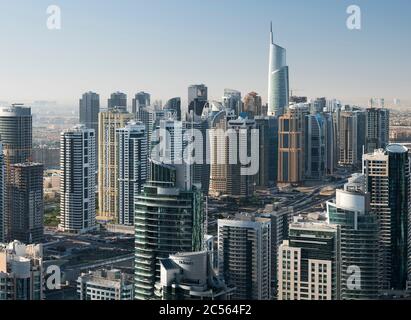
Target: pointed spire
column 271, row 33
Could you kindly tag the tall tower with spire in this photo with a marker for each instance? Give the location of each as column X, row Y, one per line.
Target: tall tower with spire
column 278, row 83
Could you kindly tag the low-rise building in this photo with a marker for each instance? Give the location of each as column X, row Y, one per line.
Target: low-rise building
column 21, row 272
column 105, row 285
column 190, row 276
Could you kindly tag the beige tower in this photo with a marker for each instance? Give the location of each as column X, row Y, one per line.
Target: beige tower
column 291, row 145
column 109, row 121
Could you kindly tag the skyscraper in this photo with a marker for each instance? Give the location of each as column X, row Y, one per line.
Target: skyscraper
column 197, row 99
column 244, row 256
column 279, row 233
column 361, row 136
column 174, row 105
column 308, row 265
column 117, row 100
column 291, row 137
column 2, row 180
column 348, row 139
column 89, row 110
column 315, row 146
column 108, row 173
column 378, row 128
column 141, row 100
column 169, row 218
column 16, row 137
column 229, row 137
column 253, row 105
column 232, row 100
column 201, row 167
column 388, row 183
column 27, row 207
column 358, row 248
column 77, row 180
column 219, row 151
column 278, row 83
column 132, row 162
column 268, row 148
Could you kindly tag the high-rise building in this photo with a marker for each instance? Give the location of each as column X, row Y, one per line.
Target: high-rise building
column 21, row 272
column 279, row 232
column 278, row 83
column 232, row 100
column 388, row 183
column 108, row 173
column 291, row 145
column 141, row 100
column 201, row 167
column 105, row 285
column 174, row 105
column 190, row 276
column 169, row 218
column 361, row 136
column 253, row 105
column 308, row 265
column 358, row 248
column 348, row 139
column 244, row 256
column 89, row 110
column 331, row 159
column 229, row 139
column 315, row 147
column 27, row 206
column 77, row 180
column 16, row 133
column 197, row 99
column 219, row 157
column 132, row 162
column 2, row 180
column 268, row 150
column 49, row 156
column 117, row 100
column 297, row 99
column 378, row 129
column 151, row 119
column 16, row 137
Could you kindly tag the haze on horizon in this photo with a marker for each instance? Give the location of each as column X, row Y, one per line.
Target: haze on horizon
column 163, row 46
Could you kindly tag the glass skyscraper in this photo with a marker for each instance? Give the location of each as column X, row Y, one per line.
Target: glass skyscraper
column 278, row 83
column 358, row 243
column 169, row 218
column 388, row 182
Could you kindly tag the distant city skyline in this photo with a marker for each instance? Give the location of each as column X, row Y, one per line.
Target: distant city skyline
column 158, row 53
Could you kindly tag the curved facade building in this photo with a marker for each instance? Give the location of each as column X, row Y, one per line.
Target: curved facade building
column 278, row 83
column 358, row 243
column 168, row 219
column 16, row 137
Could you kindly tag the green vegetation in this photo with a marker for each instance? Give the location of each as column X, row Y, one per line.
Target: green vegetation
column 51, row 217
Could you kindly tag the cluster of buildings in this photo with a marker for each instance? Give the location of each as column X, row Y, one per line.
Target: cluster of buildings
column 128, row 168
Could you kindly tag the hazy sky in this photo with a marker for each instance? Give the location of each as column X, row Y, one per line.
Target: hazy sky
column 162, row 46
